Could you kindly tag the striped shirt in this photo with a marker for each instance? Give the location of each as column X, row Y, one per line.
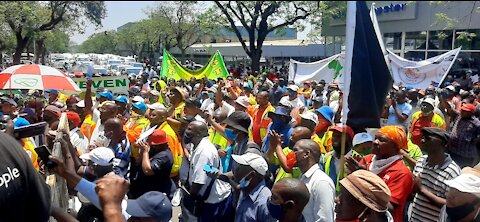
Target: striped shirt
column 433, row 178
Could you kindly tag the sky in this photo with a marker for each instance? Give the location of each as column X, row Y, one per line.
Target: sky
column 122, row 12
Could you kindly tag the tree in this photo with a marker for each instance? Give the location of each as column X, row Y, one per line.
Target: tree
column 135, row 37
column 27, row 18
column 102, row 43
column 180, row 22
column 259, row 18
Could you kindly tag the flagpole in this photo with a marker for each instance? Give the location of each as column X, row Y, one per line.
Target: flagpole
column 349, row 40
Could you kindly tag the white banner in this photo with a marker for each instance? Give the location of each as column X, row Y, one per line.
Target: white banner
column 115, row 84
column 327, row 69
column 421, row 74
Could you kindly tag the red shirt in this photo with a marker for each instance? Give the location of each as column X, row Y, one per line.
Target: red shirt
column 257, row 120
column 399, row 180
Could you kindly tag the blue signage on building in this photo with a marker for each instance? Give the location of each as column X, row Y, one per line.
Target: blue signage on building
column 390, row 8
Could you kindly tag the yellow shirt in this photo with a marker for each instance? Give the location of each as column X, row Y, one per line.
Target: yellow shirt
column 30, row 149
column 134, row 128
column 319, row 141
column 175, row 147
column 217, row 139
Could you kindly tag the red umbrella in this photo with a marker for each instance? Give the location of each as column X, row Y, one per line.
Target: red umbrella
column 36, row 76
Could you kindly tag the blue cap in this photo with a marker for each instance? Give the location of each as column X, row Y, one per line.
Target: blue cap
column 19, row 122
column 326, row 112
column 152, row 204
column 280, row 110
column 141, row 106
column 107, row 95
column 51, row 91
column 121, row 99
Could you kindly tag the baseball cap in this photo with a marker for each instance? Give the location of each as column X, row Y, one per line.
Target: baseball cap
column 239, row 120
column 326, row 112
column 157, row 137
column 429, row 101
column 468, row 107
column 51, row 91
column 243, row 101
column 253, row 160
column 74, row 118
column 439, row 132
column 152, row 204
column 155, row 106
column 369, row 189
column 466, row 183
column 279, row 110
column 53, row 109
column 107, row 95
column 451, row 88
column 81, row 104
column 347, row 129
column 155, row 92
column 137, row 99
column 141, row 106
column 20, row 122
column 101, row 156
column 293, row 88
column 360, row 138
column 121, row 99
column 193, row 102
column 134, row 90
column 310, row 116
column 318, row 99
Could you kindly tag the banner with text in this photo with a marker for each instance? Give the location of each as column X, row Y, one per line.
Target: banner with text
column 329, row 69
column 214, row 69
column 421, row 74
column 115, row 84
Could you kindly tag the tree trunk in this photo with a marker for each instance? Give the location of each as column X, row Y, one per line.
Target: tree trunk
column 182, row 56
column 256, row 55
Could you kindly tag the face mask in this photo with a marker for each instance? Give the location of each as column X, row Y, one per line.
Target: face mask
column 135, row 115
column 276, row 210
column 47, row 118
column 277, row 124
column 210, row 95
column 230, row 134
column 427, row 113
column 244, row 183
column 364, row 152
column 355, row 220
column 102, row 141
column 291, row 93
column 291, row 160
column 321, row 126
column 152, row 100
column 187, row 139
column 460, row 212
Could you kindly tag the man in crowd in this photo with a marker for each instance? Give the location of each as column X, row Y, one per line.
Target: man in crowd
column 362, row 143
column 252, row 204
column 431, row 172
column 292, row 97
column 424, row 118
column 120, row 146
column 79, row 141
column 280, row 124
column 320, row 207
column 136, row 125
column 399, row 111
column 260, row 117
column 289, row 197
column 464, row 142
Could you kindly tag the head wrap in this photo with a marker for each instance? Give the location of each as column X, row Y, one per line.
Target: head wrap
column 396, row 134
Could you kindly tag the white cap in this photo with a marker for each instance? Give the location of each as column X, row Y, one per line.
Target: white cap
column 101, row 156
column 155, row 92
column 137, row 99
column 293, row 87
column 11, row 101
column 243, row 101
column 360, row 138
column 257, row 162
column 429, row 101
column 451, row 88
column 81, row 104
column 155, row 106
column 466, row 183
column 310, row 116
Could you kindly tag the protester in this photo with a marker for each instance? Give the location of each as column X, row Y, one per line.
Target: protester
column 289, row 197
column 386, row 162
column 362, row 143
column 363, row 197
column 79, row 141
column 280, row 119
column 120, row 145
column 431, row 172
column 465, row 138
column 424, row 118
column 398, row 110
column 252, row 204
column 320, row 207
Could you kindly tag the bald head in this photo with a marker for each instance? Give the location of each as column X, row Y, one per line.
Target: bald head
column 292, row 189
column 114, row 130
column 262, row 98
column 114, row 123
column 158, row 116
column 308, row 145
column 197, row 129
column 220, row 115
column 300, row 132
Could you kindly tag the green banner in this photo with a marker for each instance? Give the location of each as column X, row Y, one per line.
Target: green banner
column 214, row 69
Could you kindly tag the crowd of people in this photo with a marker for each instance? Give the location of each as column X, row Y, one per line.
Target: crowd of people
column 244, row 149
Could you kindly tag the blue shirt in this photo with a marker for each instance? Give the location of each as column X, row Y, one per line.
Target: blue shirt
column 122, row 157
column 405, row 109
column 286, row 131
column 253, row 206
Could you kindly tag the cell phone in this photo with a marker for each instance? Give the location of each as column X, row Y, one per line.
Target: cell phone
column 209, row 169
column 43, row 153
column 30, row 130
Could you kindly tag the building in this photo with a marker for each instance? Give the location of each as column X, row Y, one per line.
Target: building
column 227, row 35
column 415, row 31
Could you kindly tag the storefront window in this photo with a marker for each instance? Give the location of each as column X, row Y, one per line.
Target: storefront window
column 415, row 55
column 415, row 40
column 339, row 43
column 465, row 61
column 468, row 39
column 393, row 40
column 440, row 40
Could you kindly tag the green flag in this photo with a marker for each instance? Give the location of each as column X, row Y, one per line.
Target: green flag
column 214, row 69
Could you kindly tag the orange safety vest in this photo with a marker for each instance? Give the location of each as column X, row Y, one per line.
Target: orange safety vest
column 88, row 126
column 134, row 128
column 175, row 147
column 265, row 120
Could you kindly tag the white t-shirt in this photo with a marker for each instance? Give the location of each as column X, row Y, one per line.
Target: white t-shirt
column 77, row 141
column 206, row 153
column 294, row 103
column 205, row 104
column 225, row 107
